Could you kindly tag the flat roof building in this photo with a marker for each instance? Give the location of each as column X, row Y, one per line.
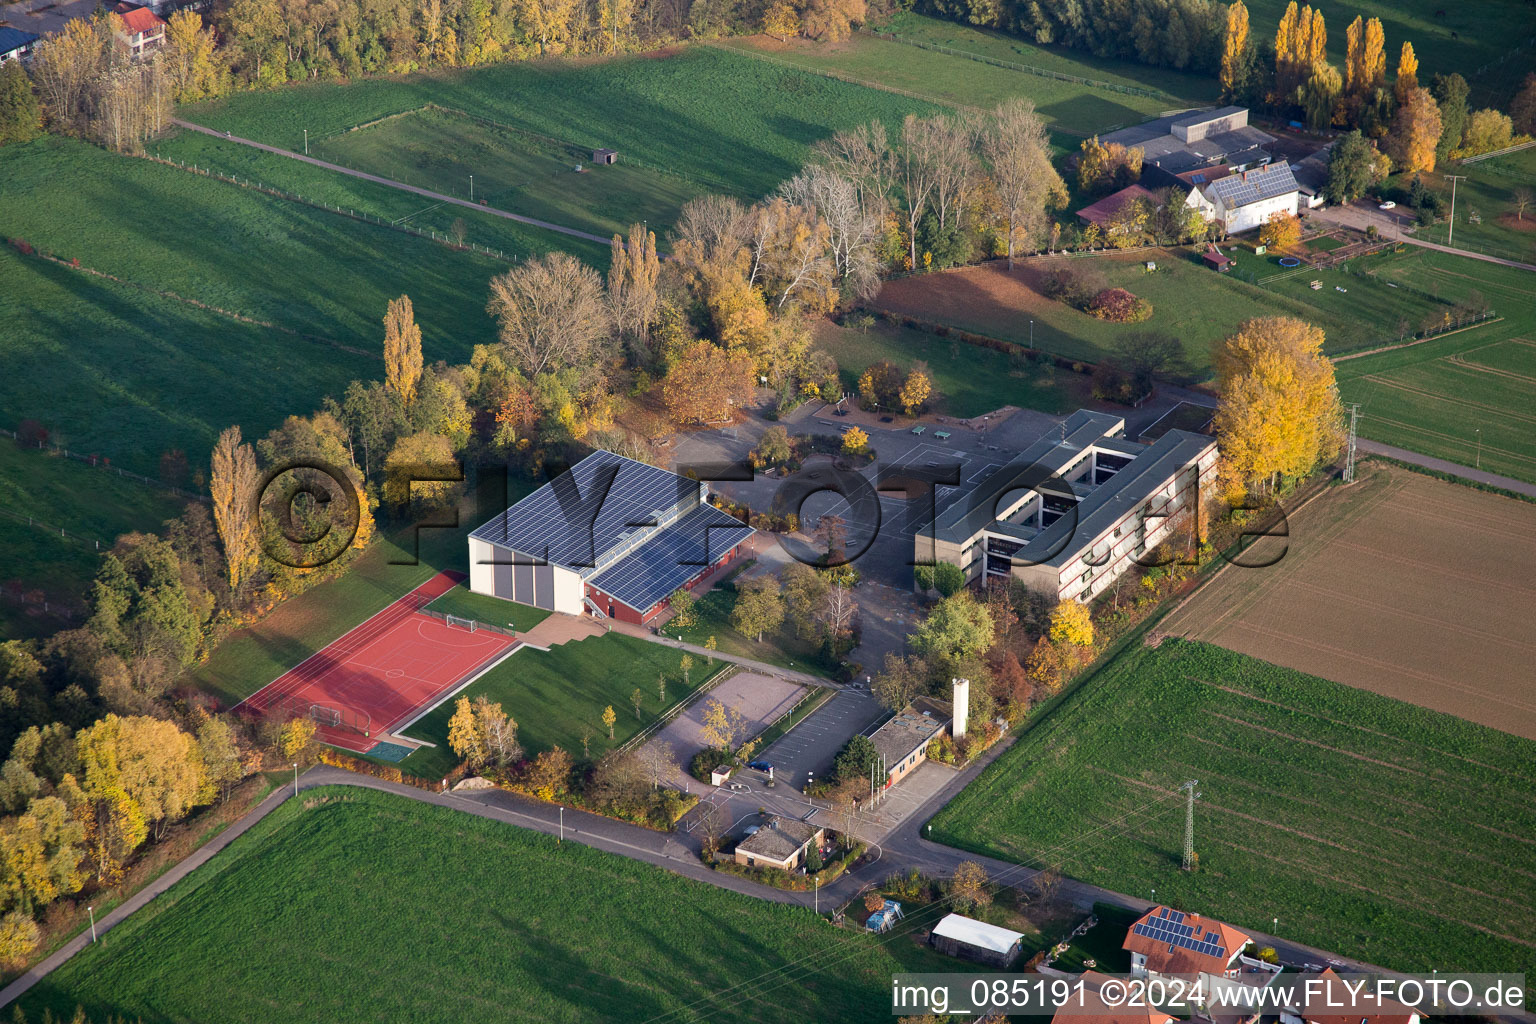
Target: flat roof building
column 610, row 536
column 903, row 741
column 1074, row 510
column 1192, row 140
column 781, row 843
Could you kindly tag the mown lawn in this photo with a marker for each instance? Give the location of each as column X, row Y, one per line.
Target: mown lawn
column 95, row 505
column 514, row 171
column 349, row 902
column 1487, row 194
column 721, row 119
column 467, row 604
column 1370, row 827
column 780, row 647
column 557, row 696
column 1465, row 397
column 970, row 380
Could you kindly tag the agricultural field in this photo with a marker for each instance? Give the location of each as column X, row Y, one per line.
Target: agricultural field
column 94, row 505
column 1378, row 590
column 513, row 170
column 1488, row 194
column 719, row 119
column 1189, row 302
column 557, row 696
column 1342, row 812
column 1465, row 397
column 969, row 380
column 351, row 898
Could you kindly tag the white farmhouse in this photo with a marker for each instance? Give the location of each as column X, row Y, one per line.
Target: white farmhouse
column 1245, row 200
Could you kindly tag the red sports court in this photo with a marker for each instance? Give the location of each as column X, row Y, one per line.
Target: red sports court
column 384, row 672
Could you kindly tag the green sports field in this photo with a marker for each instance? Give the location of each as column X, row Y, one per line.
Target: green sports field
column 349, row 899
column 1465, row 397
column 557, row 695
column 1366, row 825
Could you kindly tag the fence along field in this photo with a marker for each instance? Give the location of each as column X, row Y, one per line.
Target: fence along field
column 437, row 915
column 1363, row 823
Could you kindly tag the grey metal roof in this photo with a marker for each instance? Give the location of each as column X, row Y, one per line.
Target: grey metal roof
column 1200, row 116
column 593, row 511
column 15, row 38
column 1248, row 187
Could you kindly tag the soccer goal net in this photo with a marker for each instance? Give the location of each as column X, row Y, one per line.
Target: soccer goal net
column 325, row 715
column 461, row 623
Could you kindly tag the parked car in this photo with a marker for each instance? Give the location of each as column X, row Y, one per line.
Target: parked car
column 760, row 766
column 1388, row 205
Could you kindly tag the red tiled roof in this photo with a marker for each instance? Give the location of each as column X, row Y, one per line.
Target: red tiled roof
column 138, row 19
column 1093, row 1010
column 1107, row 207
column 1204, row 175
column 1164, row 957
column 1334, row 992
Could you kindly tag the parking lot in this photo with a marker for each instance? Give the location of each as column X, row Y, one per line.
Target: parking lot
column 759, row 698
column 807, row 750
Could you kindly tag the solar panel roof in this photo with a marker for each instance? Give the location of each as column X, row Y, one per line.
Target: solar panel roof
column 591, row 509
column 672, row 557
column 1169, row 927
column 1252, row 186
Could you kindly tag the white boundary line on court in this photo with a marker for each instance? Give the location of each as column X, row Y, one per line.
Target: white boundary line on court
column 394, row 730
column 343, row 636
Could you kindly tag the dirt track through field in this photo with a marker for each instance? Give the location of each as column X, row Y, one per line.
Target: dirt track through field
column 1404, row 585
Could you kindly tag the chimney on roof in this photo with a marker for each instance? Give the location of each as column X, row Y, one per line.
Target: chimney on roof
column 962, row 706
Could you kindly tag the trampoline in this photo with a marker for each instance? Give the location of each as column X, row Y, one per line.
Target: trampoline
column 1290, row 261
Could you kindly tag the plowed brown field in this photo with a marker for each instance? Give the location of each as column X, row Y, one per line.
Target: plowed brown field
column 1402, row 584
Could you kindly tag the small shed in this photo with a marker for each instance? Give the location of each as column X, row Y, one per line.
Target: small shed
column 605, row 156
column 1216, row 261
column 976, row 940
column 720, row 775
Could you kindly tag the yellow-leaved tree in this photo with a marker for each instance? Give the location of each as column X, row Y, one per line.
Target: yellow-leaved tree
column 781, row 19
column 402, row 350
column 1072, row 623
column 233, row 486
column 1282, row 231
column 1234, row 49
column 915, row 392
column 1279, row 412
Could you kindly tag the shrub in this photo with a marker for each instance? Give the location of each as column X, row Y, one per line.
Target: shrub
column 1119, row 306
column 707, row 760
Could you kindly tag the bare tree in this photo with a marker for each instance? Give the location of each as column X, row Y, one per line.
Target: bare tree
column 917, row 171
column 838, row 611
column 1523, row 198
column 659, row 760
column 863, row 156
column 950, row 140
column 714, row 227
column 1018, row 155
column 632, row 274
column 853, row 226
column 552, row 313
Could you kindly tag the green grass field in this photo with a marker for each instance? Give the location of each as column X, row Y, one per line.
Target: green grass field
column 513, row 171
column 1368, row 826
column 970, row 380
column 557, row 695
column 1435, row 397
column 722, row 119
column 94, row 504
column 349, row 899
column 781, row 647
column 1487, row 194
column 467, row 604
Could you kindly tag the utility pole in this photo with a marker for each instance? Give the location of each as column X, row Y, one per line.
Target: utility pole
column 1450, row 232
column 1479, row 448
column 1349, row 453
column 1189, row 823
column 92, row 911
column 306, row 142
column 471, row 188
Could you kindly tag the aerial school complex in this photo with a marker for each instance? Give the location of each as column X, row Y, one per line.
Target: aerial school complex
column 611, row 537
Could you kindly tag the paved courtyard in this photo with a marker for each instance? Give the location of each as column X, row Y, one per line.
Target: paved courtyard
column 758, row 697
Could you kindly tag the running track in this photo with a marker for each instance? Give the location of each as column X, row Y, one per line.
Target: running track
column 392, row 667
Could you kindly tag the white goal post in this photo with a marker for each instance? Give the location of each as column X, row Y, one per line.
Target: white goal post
column 461, row 622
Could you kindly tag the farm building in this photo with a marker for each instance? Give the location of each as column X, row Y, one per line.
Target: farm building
column 1194, row 140
column 1089, row 1007
column 1168, row 941
column 141, row 30
column 1216, row 259
column 781, row 843
column 903, row 741
column 1073, row 511
column 15, row 44
column 605, row 156
column 976, row 940
column 610, row 536
column 1311, row 177
column 1106, row 212
column 1245, row 200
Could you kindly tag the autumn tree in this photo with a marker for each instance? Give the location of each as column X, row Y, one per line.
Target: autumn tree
column 1017, row 152
column 1106, row 167
column 219, row 751
column 970, row 888
column 1281, row 232
column 1365, row 66
column 915, row 391
column 902, row 679
column 759, row 607
column 402, row 350
column 855, row 440
column 1072, row 623
column 191, row 57
column 552, row 313
column 550, row 773
column 1234, row 50
column 708, row 383
column 421, row 469
column 853, row 224
column 1415, row 133
column 1279, row 410
column 1487, row 130
column 831, row 21
column 781, row 19
column 633, row 270
column 721, row 726
column 880, row 385
column 1354, row 167
column 232, row 485
column 1319, row 95
column 1406, row 80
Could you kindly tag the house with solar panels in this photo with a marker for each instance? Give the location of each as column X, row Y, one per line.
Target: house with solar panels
column 1074, row 511
column 610, row 537
column 1245, row 200
column 1168, row 941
